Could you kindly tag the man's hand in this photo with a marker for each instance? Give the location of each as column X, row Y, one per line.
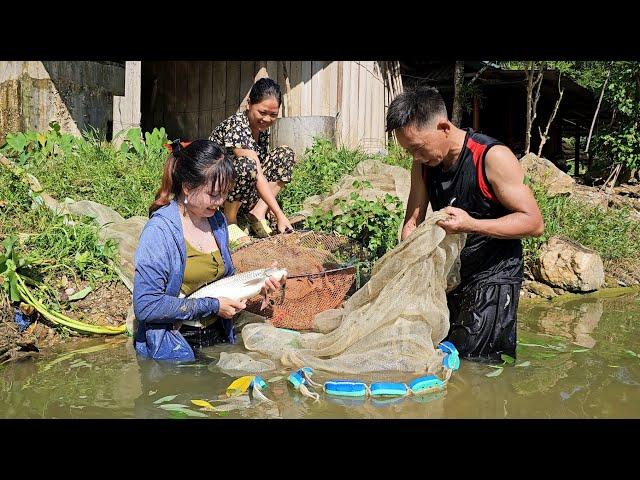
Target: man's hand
column 409, row 227
column 459, row 221
column 271, row 284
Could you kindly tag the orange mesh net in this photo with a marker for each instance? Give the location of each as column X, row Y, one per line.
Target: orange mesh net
column 320, row 274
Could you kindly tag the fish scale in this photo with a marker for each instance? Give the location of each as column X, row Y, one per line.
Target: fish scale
column 241, row 286
column 236, row 287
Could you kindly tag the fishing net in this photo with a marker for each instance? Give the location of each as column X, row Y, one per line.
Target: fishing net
column 237, row 364
column 320, row 273
column 393, row 323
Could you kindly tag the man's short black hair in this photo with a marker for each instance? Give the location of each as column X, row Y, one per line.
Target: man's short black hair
column 419, row 106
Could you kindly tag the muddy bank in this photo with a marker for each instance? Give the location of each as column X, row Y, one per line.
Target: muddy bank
column 603, row 293
column 107, row 305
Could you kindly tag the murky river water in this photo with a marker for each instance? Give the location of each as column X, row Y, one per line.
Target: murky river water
column 577, row 358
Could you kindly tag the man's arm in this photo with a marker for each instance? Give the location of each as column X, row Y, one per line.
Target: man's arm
column 417, row 203
column 506, row 177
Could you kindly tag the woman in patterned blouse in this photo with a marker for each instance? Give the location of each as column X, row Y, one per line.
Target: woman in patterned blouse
column 260, row 173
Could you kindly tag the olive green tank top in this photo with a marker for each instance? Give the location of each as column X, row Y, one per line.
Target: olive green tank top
column 201, row 268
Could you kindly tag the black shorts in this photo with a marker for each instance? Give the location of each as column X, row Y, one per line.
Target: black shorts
column 198, row 337
column 483, row 320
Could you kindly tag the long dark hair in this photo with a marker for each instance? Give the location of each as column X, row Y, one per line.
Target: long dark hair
column 193, row 164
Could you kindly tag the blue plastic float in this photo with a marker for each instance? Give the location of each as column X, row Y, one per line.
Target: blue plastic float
column 353, row 392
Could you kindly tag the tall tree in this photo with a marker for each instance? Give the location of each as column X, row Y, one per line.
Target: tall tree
column 618, row 141
column 458, row 85
column 534, row 72
column 545, row 136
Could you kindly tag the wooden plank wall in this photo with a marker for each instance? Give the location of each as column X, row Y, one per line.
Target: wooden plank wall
column 76, row 94
column 192, row 97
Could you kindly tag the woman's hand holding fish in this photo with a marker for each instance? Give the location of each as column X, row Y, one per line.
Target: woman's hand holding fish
column 229, row 307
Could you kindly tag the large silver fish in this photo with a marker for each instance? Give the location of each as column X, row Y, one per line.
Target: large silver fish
column 237, row 287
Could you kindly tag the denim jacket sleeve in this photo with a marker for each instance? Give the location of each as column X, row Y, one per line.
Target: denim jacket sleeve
column 153, row 270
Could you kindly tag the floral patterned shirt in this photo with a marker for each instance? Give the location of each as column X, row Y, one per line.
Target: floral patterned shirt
column 235, row 132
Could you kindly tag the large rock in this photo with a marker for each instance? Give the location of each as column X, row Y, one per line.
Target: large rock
column 542, row 171
column 591, row 196
column 540, row 289
column 384, row 179
column 568, row 265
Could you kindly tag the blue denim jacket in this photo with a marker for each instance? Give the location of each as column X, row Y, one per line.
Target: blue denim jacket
column 160, row 261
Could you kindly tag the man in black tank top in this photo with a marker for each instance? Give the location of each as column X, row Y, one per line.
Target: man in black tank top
column 478, row 181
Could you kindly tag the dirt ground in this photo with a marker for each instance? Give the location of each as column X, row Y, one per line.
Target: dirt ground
column 107, row 305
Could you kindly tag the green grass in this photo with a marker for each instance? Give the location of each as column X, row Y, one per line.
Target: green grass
column 90, row 168
column 100, row 173
column 613, row 233
column 398, row 156
column 60, row 245
column 322, row 167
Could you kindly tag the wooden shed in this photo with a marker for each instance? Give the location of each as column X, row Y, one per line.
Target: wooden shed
column 78, row 95
column 190, row 98
column 498, row 108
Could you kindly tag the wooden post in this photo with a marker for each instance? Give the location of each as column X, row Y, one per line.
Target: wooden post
column 126, row 108
column 576, row 167
column 476, row 113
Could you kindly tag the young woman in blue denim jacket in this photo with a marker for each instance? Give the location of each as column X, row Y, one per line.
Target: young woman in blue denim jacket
column 183, row 246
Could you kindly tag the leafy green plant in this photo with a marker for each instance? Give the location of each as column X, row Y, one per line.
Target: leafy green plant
column 152, row 146
column 619, row 141
column 34, row 147
column 321, row 168
column 398, row 156
column 16, row 273
column 11, row 262
column 373, row 223
column 91, row 168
